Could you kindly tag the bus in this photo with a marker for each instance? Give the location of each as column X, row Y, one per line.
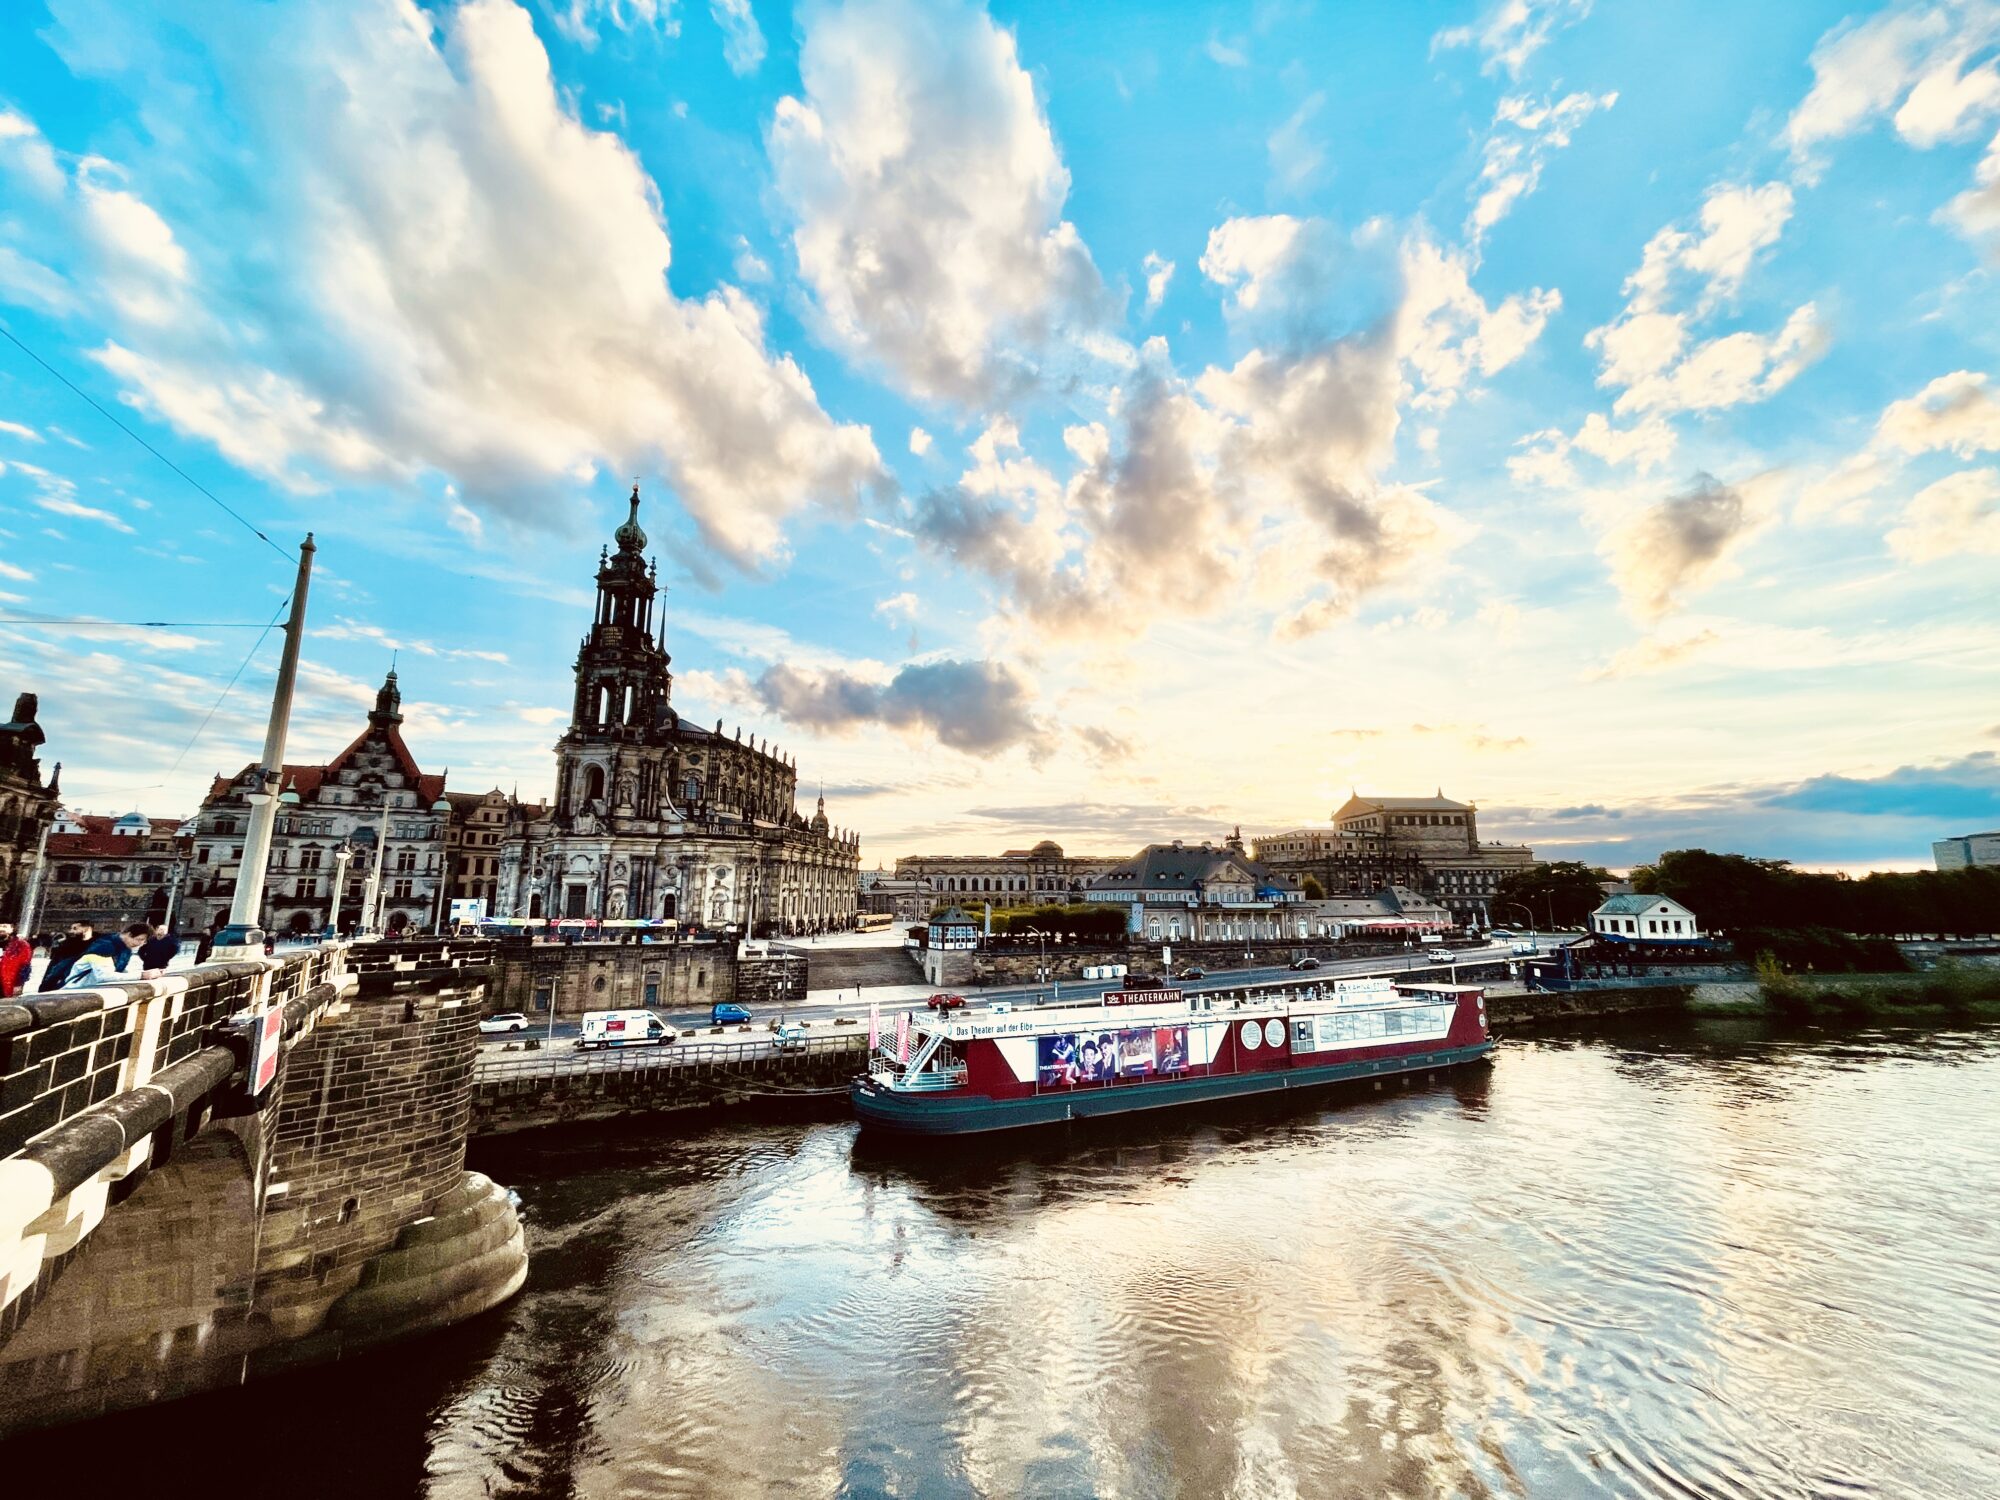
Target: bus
column 874, row 921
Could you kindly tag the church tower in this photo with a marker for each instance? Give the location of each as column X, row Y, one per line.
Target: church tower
column 623, row 684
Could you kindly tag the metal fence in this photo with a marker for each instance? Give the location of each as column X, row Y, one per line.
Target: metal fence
column 564, row 1060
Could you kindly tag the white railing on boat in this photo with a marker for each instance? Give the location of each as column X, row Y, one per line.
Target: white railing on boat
column 925, row 1082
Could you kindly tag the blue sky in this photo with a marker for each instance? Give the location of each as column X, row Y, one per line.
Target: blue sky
column 1098, row 422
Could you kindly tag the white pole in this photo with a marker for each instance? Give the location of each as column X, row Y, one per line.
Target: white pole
column 370, row 898
column 340, row 859
column 244, row 908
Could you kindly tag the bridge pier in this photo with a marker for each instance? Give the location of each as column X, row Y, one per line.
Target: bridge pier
column 177, row 1235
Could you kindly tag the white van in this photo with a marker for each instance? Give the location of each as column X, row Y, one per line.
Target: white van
column 623, row 1028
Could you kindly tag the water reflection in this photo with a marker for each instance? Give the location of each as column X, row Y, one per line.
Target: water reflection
column 1711, row 1260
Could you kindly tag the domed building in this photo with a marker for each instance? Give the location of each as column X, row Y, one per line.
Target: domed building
column 658, row 817
column 1041, row 875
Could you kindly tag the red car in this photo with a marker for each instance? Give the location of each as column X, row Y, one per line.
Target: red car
column 946, row 1002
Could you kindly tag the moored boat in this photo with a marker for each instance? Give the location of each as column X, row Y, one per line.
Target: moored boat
column 970, row 1072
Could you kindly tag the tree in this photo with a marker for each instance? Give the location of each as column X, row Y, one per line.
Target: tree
column 1564, row 892
column 1314, row 891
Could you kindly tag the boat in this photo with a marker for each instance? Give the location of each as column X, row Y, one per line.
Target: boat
column 970, row 1072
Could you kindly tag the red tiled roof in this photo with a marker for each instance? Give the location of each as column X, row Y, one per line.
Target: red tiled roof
column 101, row 841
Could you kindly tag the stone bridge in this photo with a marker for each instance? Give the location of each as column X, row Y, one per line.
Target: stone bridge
column 237, row 1169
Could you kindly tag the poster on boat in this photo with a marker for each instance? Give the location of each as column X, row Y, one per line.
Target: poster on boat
column 1069, row 1058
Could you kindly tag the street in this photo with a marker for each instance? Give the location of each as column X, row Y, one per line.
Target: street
column 822, row 1006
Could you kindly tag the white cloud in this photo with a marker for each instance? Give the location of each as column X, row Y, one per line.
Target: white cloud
column 749, row 265
column 898, row 606
column 1932, row 69
column 1159, row 273
column 63, row 505
column 416, row 230
column 1232, row 54
column 1262, row 479
column 1956, row 516
column 928, row 194
column 1512, row 31
column 1680, row 545
column 742, row 38
column 579, row 20
column 24, row 433
column 1296, row 154
column 920, row 441
column 1955, row 411
column 1686, row 276
column 1524, row 134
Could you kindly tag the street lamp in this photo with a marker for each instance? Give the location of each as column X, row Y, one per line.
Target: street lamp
column 341, row 855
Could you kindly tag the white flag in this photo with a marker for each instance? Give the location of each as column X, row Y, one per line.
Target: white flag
column 874, row 1027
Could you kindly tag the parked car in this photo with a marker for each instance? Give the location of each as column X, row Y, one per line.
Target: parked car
column 1497, row 933
column 504, row 1022
column 943, row 1002
column 1194, row 971
column 1302, row 964
column 727, row 1014
column 1443, row 956
column 790, row 1037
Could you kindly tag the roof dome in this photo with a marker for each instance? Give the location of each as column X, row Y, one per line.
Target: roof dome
column 1047, row 849
column 442, row 805
column 630, row 537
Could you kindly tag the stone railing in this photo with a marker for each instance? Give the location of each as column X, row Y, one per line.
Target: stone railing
column 97, row 1084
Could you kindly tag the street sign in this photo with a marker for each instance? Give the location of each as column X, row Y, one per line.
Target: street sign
column 267, row 1035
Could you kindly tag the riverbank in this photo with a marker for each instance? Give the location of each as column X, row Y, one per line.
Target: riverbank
column 1948, row 993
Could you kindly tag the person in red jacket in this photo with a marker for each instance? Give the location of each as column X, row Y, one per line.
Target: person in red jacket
column 16, row 956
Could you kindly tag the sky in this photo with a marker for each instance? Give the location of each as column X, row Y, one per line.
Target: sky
column 1105, row 422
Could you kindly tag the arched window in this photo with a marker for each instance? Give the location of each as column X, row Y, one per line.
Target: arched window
column 628, row 704
column 604, row 705
column 593, row 783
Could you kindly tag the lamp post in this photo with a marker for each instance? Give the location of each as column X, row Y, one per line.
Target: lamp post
column 341, row 856
column 370, row 897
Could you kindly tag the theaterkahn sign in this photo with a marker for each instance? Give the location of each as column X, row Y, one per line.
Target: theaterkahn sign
column 1141, row 997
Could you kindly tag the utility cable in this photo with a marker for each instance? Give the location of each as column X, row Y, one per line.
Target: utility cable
column 108, row 416
column 283, row 605
column 133, row 624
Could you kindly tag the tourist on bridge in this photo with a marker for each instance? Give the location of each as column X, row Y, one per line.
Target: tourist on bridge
column 107, row 958
column 159, row 951
column 16, row 955
column 65, row 953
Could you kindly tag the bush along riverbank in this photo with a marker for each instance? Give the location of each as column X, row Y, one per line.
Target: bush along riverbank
column 1950, row 992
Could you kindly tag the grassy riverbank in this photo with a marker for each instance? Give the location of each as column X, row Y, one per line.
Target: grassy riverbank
column 1950, row 992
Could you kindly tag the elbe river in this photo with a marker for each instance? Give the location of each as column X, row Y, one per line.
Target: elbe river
column 1710, row 1259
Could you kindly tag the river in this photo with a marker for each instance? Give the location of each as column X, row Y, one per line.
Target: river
column 1710, row 1260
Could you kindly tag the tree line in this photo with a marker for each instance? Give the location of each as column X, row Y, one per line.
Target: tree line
column 1736, row 891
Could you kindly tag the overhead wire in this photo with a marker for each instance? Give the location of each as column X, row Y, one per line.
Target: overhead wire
column 131, row 624
column 283, row 605
column 97, row 406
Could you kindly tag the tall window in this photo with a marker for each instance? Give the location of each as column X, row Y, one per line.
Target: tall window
column 309, row 857
column 307, row 889
column 402, row 890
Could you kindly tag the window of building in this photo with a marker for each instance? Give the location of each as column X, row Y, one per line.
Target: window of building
column 69, row 873
column 402, row 890
column 307, row 889
column 309, row 857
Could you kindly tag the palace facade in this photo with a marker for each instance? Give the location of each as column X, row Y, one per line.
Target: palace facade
column 330, row 820
column 657, row 817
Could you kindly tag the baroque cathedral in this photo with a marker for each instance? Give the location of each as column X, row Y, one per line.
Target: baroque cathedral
column 656, row 816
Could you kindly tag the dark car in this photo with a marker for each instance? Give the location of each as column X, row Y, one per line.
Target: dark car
column 942, row 1002
column 1194, row 971
column 729, row 1015
column 1303, row 964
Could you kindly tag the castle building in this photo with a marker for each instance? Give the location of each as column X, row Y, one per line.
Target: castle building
column 330, row 820
column 27, row 808
column 113, row 871
column 657, row 817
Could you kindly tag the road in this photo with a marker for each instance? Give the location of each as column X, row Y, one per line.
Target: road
column 822, row 1006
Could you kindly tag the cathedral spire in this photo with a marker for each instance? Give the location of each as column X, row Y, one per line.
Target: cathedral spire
column 388, row 702
column 629, row 536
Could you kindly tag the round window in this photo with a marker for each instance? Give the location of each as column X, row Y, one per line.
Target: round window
column 1252, row 1035
column 597, row 984
column 1274, row 1032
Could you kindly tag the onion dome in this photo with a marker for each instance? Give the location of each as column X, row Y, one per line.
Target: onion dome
column 630, row 537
